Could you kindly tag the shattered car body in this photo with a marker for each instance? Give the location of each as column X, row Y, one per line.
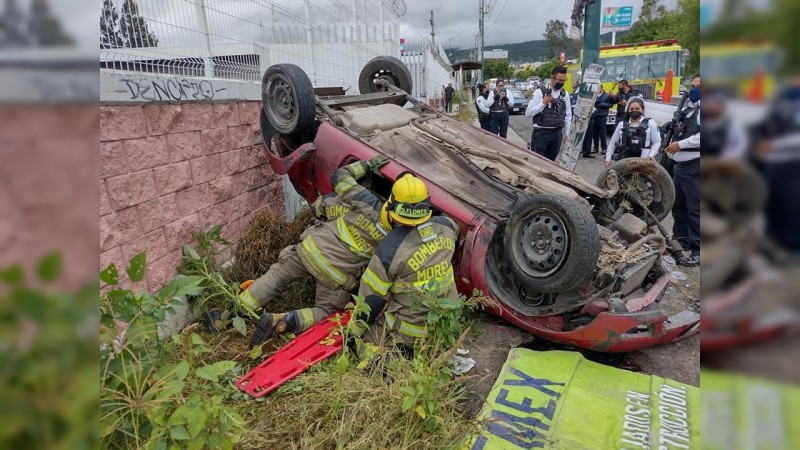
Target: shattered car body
column 572, row 262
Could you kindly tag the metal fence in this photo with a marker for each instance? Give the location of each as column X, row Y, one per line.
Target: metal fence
column 430, row 68
column 330, row 40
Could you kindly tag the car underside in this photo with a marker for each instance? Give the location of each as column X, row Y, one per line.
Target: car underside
column 578, row 263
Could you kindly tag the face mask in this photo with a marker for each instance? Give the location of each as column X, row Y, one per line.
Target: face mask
column 694, row 94
column 558, row 86
column 635, row 114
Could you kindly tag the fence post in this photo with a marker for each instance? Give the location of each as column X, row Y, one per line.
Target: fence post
column 202, row 20
column 310, row 43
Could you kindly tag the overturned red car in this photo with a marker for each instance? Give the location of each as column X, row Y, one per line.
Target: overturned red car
column 572, row 262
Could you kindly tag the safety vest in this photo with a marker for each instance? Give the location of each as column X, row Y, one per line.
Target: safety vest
column 688, row 125
column 553, row 115
column 634, row 139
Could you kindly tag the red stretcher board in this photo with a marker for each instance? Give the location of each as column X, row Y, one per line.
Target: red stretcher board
column 312, row 346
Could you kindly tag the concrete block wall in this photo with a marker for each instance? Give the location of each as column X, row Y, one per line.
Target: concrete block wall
column 168, row 170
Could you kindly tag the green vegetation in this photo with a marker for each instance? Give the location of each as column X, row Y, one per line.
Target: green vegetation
column 683, row 23
column 497, row 68
column 177, row 391
column 48, row 362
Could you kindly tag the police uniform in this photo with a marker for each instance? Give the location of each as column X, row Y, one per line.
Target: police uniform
column 334, row 253
column 634, row 140
column 550, row 122
column 498, row 116
column 408, row 261
column 686, row 177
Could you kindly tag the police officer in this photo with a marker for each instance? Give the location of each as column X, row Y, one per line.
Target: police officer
column 484, row 103
column 624, row 94
column 723, row 136
column 636, row 137
column 685, row 151
column 416, row 256
column 551, row 110
column 499, row 111
column 334, row 254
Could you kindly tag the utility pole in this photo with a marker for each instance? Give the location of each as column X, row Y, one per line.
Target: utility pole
column 483, row 10
column 591, row 34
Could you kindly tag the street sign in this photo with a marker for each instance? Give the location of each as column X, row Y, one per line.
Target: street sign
column 618, row 18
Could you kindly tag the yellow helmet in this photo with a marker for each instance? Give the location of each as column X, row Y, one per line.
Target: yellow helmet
column 409, row 204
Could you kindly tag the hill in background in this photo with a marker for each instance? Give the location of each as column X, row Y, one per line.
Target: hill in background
column 523, row 52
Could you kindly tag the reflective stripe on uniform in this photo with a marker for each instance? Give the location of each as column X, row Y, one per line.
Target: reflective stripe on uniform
column 306, row 318
column 358, row 170
column 374, row 281
column 347, row 237
column 427, row 284
column 342, row 186
column 406, row 328
column 321, row 262
column 247, row 299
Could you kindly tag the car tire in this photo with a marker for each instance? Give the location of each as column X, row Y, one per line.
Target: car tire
column 551, row 243
column 386, row 68
column 647, row 179
column 288, row 100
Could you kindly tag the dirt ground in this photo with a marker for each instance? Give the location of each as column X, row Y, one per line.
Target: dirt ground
column 679, row 361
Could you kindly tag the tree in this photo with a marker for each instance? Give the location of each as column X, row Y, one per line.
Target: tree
column 133, row 27
column 45, row 28
column 545, row 70
column 109, row 26
column 683, row 23
column 555, row 34
column 497, row 68
column 12, row 33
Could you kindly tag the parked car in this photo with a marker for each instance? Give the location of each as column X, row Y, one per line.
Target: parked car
column 517, row 102
column 578, row 263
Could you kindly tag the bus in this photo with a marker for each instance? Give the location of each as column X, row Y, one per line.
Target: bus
column 644, row 65
column 744, row 69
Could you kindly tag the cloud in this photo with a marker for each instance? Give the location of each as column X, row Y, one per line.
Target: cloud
column 509, row 21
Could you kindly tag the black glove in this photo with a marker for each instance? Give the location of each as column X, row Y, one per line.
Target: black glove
column 376, row 163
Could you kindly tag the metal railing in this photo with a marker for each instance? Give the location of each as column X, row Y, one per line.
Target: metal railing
column 330, row 40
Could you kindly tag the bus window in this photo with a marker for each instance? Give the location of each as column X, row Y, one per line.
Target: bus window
column 655, row 65
column 619, row 67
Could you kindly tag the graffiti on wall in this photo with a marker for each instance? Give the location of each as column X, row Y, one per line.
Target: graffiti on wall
column 169, row 89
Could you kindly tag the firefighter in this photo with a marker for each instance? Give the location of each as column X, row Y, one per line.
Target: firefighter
column 416, row 256
column 334, row 253
column 635, row 137
column 331, row 206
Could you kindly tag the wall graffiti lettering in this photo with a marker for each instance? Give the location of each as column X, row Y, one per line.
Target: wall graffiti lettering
column 166, row 89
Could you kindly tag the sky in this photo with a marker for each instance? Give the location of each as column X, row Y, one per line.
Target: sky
column 509, row 21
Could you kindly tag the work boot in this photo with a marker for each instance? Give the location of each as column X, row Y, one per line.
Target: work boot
column 692, row 261
column 214, row 320
column 587, row 155
column 271, row 324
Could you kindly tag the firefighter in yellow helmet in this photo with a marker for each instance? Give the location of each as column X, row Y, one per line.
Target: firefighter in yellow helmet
column 414, row 258
column 334, row 253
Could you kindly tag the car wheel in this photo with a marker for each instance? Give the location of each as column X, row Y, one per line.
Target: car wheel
column 640, row 179
column 551, row 243
column 385, row 68
column 288, row 99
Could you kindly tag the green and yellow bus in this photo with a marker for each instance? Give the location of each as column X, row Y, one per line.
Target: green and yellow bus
column 644, row 65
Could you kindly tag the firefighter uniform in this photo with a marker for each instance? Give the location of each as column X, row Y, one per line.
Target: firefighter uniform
column 334, row 253
column 329, row 207
column 414, row 258
column 409, row 261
